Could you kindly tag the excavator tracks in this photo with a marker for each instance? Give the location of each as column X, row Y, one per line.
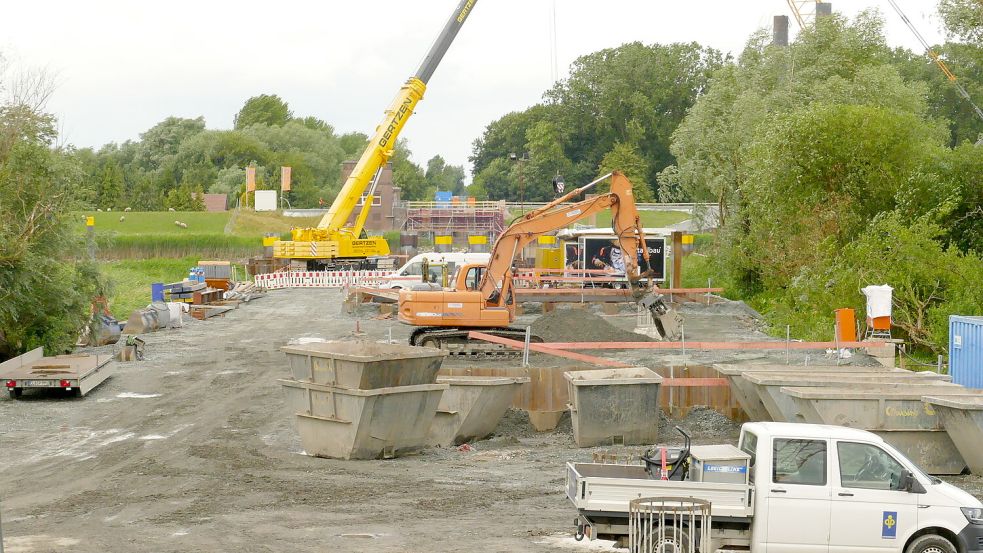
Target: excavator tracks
column 456, row 342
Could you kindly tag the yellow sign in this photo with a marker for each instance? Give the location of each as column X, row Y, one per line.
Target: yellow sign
column 547, row 240
column 479, row 239
column 90, row 221
column 443, row 240
column 688, row 239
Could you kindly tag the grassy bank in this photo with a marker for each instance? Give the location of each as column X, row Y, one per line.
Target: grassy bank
column 131, row 279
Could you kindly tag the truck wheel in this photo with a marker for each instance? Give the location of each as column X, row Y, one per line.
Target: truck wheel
column 931, row 543
column 673, row 541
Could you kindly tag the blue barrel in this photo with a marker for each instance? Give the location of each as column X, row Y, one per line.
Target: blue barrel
column 966, row 350
column 157, row 291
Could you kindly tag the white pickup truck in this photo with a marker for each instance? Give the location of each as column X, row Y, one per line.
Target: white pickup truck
column 790, row 488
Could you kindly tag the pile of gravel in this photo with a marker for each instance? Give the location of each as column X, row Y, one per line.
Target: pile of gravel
column 580, row 325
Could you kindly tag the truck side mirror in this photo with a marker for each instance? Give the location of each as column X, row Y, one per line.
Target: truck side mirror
column 909, row 483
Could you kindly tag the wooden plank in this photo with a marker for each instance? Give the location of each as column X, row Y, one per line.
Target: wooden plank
column 708, row 345
column 539, row 348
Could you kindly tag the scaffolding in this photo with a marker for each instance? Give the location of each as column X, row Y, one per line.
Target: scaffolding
column 455, row 216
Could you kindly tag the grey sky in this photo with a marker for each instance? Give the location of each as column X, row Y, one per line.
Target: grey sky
column 123, row 66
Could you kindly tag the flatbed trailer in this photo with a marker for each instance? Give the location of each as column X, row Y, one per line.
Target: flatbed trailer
column 78, row 374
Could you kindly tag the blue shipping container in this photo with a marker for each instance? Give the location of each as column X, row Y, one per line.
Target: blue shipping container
column 966, row 350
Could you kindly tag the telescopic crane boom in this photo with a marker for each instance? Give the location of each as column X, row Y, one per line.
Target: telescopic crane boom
column 483, row 296
column 332, row 243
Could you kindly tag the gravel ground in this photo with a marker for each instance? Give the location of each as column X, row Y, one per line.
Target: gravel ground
column 193, row 449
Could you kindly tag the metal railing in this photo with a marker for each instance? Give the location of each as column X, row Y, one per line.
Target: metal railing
column 661, row 524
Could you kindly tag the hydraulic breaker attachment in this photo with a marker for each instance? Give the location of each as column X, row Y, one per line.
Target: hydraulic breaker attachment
column 667, row 321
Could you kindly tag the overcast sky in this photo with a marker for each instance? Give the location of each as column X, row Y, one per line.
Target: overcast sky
column 122, row 66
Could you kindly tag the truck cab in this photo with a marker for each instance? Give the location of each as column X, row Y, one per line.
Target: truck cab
column 810, row 488
column 827, row 488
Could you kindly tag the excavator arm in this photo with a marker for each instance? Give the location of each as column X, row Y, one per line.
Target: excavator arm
column 556, row 215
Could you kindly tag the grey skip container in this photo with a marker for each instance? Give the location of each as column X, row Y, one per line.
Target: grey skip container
column 614, row 406
column 362, row 424
column 472, row 407
column 748, row 398
column 360, row 365
column 962, row 417
column 966, row 350
column 893, row 411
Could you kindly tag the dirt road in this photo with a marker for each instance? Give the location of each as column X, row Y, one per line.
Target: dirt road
column 193, row 450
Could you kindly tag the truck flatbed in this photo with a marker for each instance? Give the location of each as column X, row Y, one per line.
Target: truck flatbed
column 74, row 373
column 606, row 489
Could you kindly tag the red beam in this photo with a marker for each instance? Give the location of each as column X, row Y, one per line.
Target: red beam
column 709, row 345
column 612, row 292
column 550, row 351
column 696, row 382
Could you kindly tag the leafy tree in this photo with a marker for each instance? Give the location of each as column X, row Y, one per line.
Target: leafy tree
column 546, row 160
column 408, row 176
column 110, row 193
column 265, row 109
column 45, row 289
column 963, row 18
column 496, row 181
column 441, row 176
column 163, row 140
column 353, row 144
column 627, row 159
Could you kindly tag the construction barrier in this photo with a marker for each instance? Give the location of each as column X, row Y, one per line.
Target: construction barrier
column 321, row 279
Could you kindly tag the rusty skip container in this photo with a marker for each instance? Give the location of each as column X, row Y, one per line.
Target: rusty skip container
column 614, row 406
column 361, row 365
column 748, row 398
column 471, row 408
column 362, row 424
column 895, row 412
column 544, row 397
column 962, row 417
column 782, row 408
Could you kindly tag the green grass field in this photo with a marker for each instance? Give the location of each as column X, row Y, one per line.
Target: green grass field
column 160, row 222
column 131, row 279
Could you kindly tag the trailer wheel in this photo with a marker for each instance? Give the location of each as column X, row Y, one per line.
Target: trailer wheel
column 16, row 392
column 931, row 543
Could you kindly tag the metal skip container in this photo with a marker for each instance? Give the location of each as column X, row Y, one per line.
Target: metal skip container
column 362, row 424
column 748, row 398
column 962, row 417
column 782, row 408
column 361, row 365
column 895, row 412
column 614, row 406
column 472, row 407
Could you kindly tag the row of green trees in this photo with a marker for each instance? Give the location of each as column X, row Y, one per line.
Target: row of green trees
column 178, row 159
column 838, row 162
column 623, row 107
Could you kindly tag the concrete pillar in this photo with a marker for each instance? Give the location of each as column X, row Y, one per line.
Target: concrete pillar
column 779, row 33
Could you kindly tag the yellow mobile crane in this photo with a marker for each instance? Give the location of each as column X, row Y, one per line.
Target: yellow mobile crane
column 332, row 244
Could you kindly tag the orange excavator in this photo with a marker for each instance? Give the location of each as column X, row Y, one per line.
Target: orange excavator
column 483, row 296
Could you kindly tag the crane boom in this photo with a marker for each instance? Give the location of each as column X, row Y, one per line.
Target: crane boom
column 382, row 145
column 332, row 238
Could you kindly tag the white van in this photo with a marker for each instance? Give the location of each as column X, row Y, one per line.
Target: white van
column 412, row 272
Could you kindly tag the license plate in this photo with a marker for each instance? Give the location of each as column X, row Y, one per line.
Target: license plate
column 37, row 383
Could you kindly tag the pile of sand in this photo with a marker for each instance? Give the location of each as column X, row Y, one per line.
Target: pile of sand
column 580, row 325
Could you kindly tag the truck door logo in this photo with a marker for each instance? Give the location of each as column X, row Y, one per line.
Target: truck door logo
column 889, row 528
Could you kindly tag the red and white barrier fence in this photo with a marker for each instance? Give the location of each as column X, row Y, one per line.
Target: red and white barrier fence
column 321, row 279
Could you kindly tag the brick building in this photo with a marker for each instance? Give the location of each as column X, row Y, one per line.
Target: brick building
column 382, row 215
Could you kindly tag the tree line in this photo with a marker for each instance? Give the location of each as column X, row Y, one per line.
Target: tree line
column 179, row 159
